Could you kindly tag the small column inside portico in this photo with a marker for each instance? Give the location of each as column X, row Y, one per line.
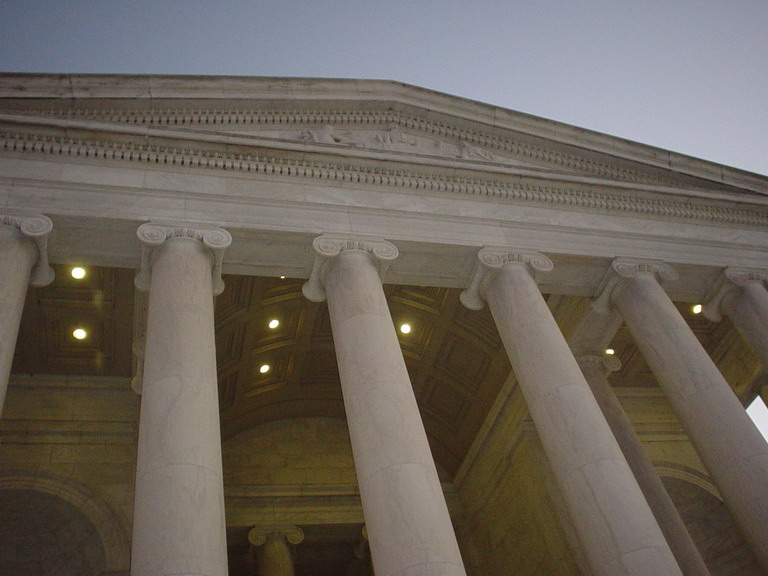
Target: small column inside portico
column 408, row 525
column 23, row 261
column 178, row 523
column 616, row 528
column 273, row 548
column 743, row 298
column 732, row 449
column 596, row 367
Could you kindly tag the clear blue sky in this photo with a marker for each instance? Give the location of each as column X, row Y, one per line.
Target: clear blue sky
column 689, row 76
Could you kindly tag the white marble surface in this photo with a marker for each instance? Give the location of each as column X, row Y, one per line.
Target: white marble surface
column 617, row 530
column 408, row 525
column 595, row 368
column 729, row 444
column 178, row 523
column 747, row 307
column 17, row 256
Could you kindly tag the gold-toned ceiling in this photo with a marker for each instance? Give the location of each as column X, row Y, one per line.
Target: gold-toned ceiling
column 454, row 355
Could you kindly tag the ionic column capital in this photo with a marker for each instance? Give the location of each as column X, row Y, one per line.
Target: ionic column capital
column 729, row 280
column 490, row 259
column 36, row 228
column 154, row 235
column 627, row 268
column 258, row 535
column 327, row 247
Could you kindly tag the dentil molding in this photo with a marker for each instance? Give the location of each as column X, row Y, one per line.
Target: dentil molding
column 563, row 195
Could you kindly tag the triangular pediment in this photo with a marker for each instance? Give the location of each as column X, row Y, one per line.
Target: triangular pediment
column 369, row 123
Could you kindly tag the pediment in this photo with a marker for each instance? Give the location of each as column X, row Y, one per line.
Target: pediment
column 348, row 123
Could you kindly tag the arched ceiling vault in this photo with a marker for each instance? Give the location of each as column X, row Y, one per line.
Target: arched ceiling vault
column 454, row 355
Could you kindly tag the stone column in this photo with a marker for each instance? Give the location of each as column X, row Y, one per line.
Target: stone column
column 729, row 444
column 178, row 521
column 23, row 261
column 409, row 529
column 743, row 298
column 273, row 549
column 616, row 528
column 596, row 367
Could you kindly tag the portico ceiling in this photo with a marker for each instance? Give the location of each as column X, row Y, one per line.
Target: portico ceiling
column 454, row 355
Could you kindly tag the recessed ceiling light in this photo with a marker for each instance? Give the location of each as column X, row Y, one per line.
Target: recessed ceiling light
column 405, row 328
column 274, row 323
column 610, row 351
column 79, row 334
column 282, row 277
column 696, row 308
column 78, row 273
column 264, row 368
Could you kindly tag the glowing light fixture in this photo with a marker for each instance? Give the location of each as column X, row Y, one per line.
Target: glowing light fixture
column 696, row 308
column 79, row 334
column 405, row 328
column 264, row 368
column 282, row 277
column 274, row 323
column 78, row 273
column 610, row 351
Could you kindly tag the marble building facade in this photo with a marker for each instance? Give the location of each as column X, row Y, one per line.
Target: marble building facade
column 338, row 326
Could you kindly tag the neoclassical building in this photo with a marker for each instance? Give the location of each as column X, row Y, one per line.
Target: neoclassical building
column 274, row 326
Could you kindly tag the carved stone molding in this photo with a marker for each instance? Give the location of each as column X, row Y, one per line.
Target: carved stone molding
column 154, row 235
column 493, row 258
column 36, row 228
column 258, row 535
column 327, row 247
column 575, row 196
column 626, row 268
column 731, row 279
column 304, row 118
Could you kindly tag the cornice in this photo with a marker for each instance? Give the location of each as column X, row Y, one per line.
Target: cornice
column 218, row 117
column 145, row 90
column 576, row 196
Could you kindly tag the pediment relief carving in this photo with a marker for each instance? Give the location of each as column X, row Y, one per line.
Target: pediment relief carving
column 534, row 190
column 377, row 131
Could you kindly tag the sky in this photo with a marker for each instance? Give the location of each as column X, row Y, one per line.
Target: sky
column 688, row 76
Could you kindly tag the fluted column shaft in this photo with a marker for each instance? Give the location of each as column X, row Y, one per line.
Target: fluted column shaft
column 408, row 525
column 729, row 444
column 18, row 255
column 178, row 523
column 618, row 533
column 595, row 369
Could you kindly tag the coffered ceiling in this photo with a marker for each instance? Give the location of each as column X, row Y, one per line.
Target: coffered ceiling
column 454, row 355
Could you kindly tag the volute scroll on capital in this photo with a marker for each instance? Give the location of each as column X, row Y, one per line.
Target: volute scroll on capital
column 731, row 279
column 35, row 227
column 153, row 235
column 627, row 268
column 492, row 258
column 329, row 246
column 258, row 535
